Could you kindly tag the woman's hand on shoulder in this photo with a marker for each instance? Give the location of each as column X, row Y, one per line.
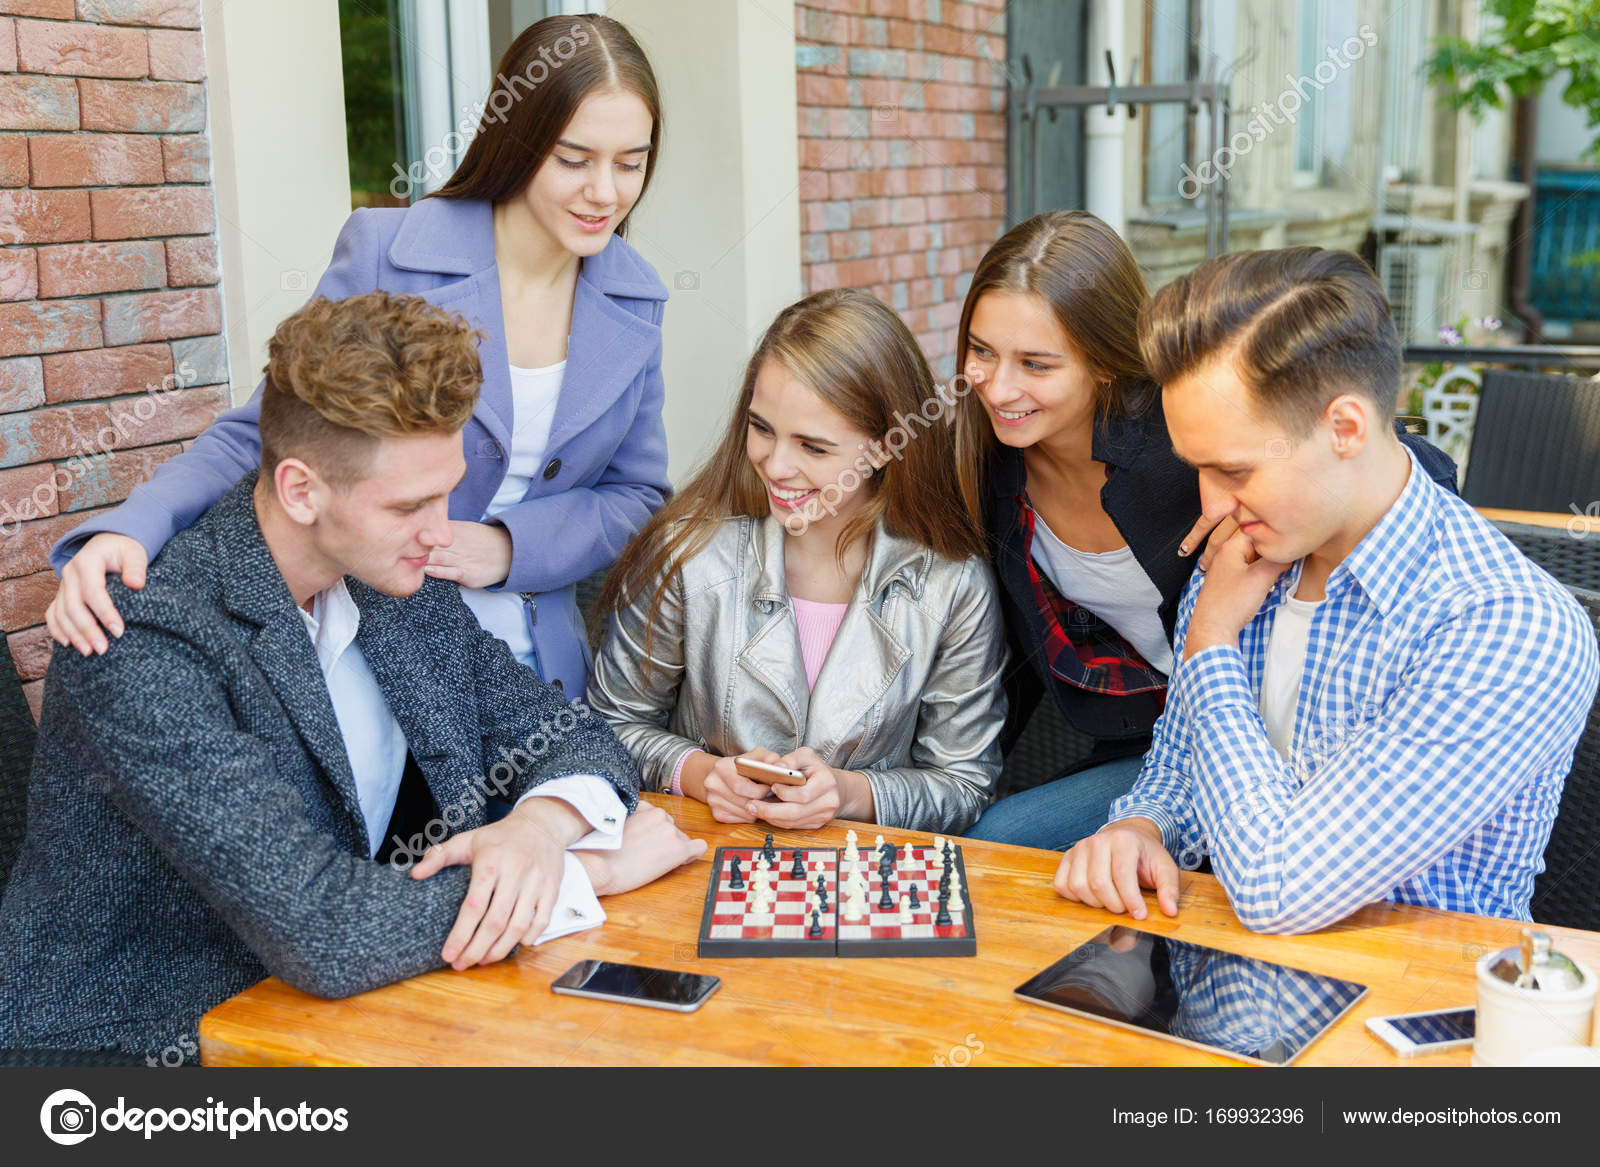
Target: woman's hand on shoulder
column 82, row 612
column 479, row 555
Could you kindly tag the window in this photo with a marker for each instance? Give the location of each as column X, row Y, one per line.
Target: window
column 416, row 73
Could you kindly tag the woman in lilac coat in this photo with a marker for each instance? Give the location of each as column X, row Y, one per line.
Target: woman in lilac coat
column 566, row 453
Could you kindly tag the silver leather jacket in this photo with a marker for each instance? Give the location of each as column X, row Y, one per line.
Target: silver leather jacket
column 910, row 693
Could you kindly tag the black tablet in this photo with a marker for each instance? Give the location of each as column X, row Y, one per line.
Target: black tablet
column 1243, row 1008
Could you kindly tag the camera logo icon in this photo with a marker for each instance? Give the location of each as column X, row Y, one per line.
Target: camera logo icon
column 292, row 281
column 686, row 281
column 1475, row 280
column 68, row 1117
column 1279, row 448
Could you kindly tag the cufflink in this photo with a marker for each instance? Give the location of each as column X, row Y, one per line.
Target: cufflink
column 575, row 913
column 610, row 820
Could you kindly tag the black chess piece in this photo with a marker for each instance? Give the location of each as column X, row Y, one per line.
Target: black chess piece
column 769, row 852
column 822, row 890
column 943, row 919
column 915, row 901
column 798, row 871
column 737, row 881
column 886, row 901
column 816, row 925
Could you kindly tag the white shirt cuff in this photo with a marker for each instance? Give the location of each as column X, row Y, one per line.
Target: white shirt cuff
column 577, row 907
column 596, row 800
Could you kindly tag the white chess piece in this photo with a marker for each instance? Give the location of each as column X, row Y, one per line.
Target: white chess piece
column 761, row 901
column 854, row 905
column 905, row 908
column 956, row 903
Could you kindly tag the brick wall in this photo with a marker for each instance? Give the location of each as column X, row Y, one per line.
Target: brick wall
column 110, row 353
column 902, row 152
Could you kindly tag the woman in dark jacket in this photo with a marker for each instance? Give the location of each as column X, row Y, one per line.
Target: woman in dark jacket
column 1090, row 515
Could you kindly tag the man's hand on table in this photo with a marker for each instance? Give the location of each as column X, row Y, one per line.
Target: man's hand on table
column 1107, row 869
column 652, row 845
column 516, row 877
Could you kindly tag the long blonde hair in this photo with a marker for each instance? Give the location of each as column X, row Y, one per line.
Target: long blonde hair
column 853, row 352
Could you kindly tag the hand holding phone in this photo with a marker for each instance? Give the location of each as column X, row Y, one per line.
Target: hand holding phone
column 767, row 772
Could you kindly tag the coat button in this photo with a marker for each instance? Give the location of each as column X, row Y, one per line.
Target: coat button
column 552, row 469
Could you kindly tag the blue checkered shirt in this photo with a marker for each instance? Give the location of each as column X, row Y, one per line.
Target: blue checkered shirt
column 1446, row 682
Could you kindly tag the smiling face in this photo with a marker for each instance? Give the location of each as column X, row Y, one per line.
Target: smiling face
column 1289, row 495
column 1031, row 379
column 593, row 176
column 382, row 528
column 805, row 453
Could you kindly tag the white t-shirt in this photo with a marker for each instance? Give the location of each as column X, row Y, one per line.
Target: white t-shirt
column 1280, row 676
column 533, row 403
column 1113, row 586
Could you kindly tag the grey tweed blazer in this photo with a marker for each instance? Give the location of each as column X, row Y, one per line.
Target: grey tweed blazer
column 192, row 819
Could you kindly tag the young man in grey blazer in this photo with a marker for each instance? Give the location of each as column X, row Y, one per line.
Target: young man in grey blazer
column 281, row 765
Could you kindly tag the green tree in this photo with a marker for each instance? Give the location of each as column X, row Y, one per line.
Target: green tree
column 371, row 89
column 1522, row 45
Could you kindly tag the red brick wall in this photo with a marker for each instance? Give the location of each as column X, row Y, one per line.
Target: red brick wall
column 902, row 152
column 110, row 353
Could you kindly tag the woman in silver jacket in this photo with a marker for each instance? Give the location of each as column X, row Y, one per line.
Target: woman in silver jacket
column 816, row 597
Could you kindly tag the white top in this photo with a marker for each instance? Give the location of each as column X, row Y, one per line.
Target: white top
column 1280, row 676
column 375, row 746
column 1112, row 585
column 533, row 405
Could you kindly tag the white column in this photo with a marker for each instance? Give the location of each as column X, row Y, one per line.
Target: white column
column 721, row 221
column 1103, row 133
column 275, row 99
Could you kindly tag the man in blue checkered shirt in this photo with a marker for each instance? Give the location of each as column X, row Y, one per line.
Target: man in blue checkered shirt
column 1377, row 696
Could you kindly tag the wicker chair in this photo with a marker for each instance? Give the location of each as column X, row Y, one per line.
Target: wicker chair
column 1568, row 893
column 1536, row 443
column 1573, row 558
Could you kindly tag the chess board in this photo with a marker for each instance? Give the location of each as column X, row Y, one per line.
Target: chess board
column 727, row 928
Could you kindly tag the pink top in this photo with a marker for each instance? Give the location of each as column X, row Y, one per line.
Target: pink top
column 817, row 624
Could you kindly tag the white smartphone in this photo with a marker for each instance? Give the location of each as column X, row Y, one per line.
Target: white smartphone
column 1410, row 1034
column 763, row 772
column 634, row 984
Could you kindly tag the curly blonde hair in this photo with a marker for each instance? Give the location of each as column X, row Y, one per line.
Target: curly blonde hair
column 344, row 374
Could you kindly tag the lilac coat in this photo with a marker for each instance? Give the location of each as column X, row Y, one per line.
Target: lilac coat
column 606, row 466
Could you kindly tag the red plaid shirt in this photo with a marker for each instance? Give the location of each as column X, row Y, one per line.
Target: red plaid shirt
column 1083, row 650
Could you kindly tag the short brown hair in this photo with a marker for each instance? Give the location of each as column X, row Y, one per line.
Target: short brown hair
column 343, row 374
column 1303, row 325
column 543, row 77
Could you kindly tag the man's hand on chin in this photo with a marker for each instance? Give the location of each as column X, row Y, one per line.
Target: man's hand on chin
column 516, row 877
column 1235, row 587
column 652, row 845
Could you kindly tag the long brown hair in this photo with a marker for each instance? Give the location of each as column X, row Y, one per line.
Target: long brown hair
column 1086, row 275
column 543, row 77
column 857, row 355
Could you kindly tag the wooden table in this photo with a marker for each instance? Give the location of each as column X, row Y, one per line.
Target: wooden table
column 1570, row 522
column 916, row 1012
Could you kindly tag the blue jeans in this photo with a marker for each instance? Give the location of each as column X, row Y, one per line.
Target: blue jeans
column 1056, row 815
